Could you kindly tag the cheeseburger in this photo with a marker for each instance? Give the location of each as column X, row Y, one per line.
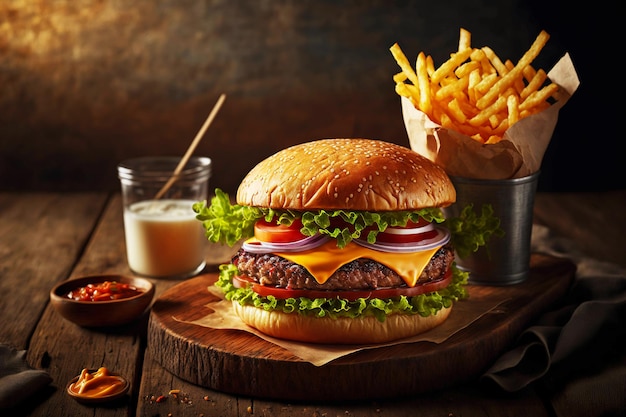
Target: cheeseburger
column 343, row 242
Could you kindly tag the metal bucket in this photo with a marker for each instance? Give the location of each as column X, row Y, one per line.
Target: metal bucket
column 506, row 259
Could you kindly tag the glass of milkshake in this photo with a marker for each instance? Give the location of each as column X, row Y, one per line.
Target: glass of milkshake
column 163, row 237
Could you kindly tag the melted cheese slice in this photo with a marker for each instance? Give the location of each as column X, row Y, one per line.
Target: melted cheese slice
column 324, row 260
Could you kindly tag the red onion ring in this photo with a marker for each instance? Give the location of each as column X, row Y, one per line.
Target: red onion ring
column 409, row 231
column 307, row 243
column 443, row 237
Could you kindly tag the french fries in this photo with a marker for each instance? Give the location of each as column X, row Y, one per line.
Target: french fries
column 474, row 92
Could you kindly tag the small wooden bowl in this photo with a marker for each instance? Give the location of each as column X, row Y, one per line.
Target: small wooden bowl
column 101, row 313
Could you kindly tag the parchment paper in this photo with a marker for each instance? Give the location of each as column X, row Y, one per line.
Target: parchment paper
column 517, row 155
column 463, row 314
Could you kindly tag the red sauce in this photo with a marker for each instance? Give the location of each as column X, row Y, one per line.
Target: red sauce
column 104, row 291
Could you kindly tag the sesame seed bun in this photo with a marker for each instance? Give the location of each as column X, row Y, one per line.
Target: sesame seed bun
column 351, row 174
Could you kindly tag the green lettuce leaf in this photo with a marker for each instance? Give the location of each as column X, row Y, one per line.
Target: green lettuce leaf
column 227, row 223
column 224, row 222
column 423, row 304
column 470, row 231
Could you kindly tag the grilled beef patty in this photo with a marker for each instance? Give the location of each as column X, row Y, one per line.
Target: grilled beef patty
column 366, row 274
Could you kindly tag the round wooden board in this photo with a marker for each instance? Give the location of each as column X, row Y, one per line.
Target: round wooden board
column 238, row 362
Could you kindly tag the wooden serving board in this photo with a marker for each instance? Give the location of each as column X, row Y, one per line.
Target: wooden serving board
column 238, row 362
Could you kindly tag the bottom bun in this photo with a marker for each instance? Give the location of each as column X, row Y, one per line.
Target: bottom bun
column 340, row 330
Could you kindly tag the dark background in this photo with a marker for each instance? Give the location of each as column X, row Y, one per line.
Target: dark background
column 84, row 85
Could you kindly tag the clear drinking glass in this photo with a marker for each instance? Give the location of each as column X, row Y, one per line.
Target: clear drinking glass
column 163, row 237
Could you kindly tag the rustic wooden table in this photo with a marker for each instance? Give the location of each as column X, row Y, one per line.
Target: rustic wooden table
column 50, row 237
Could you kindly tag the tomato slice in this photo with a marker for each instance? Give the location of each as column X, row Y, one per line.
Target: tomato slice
column 241, row 281
column 278, row 233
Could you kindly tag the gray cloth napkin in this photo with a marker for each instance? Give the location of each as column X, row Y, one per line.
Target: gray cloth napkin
column 590, row 321
column 18, row 381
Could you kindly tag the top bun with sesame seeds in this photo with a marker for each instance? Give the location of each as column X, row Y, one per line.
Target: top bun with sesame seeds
column 344, row 242
column 352, row 174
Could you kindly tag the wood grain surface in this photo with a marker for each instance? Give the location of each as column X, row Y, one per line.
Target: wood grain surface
column 238, row 362
column 40, row 237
